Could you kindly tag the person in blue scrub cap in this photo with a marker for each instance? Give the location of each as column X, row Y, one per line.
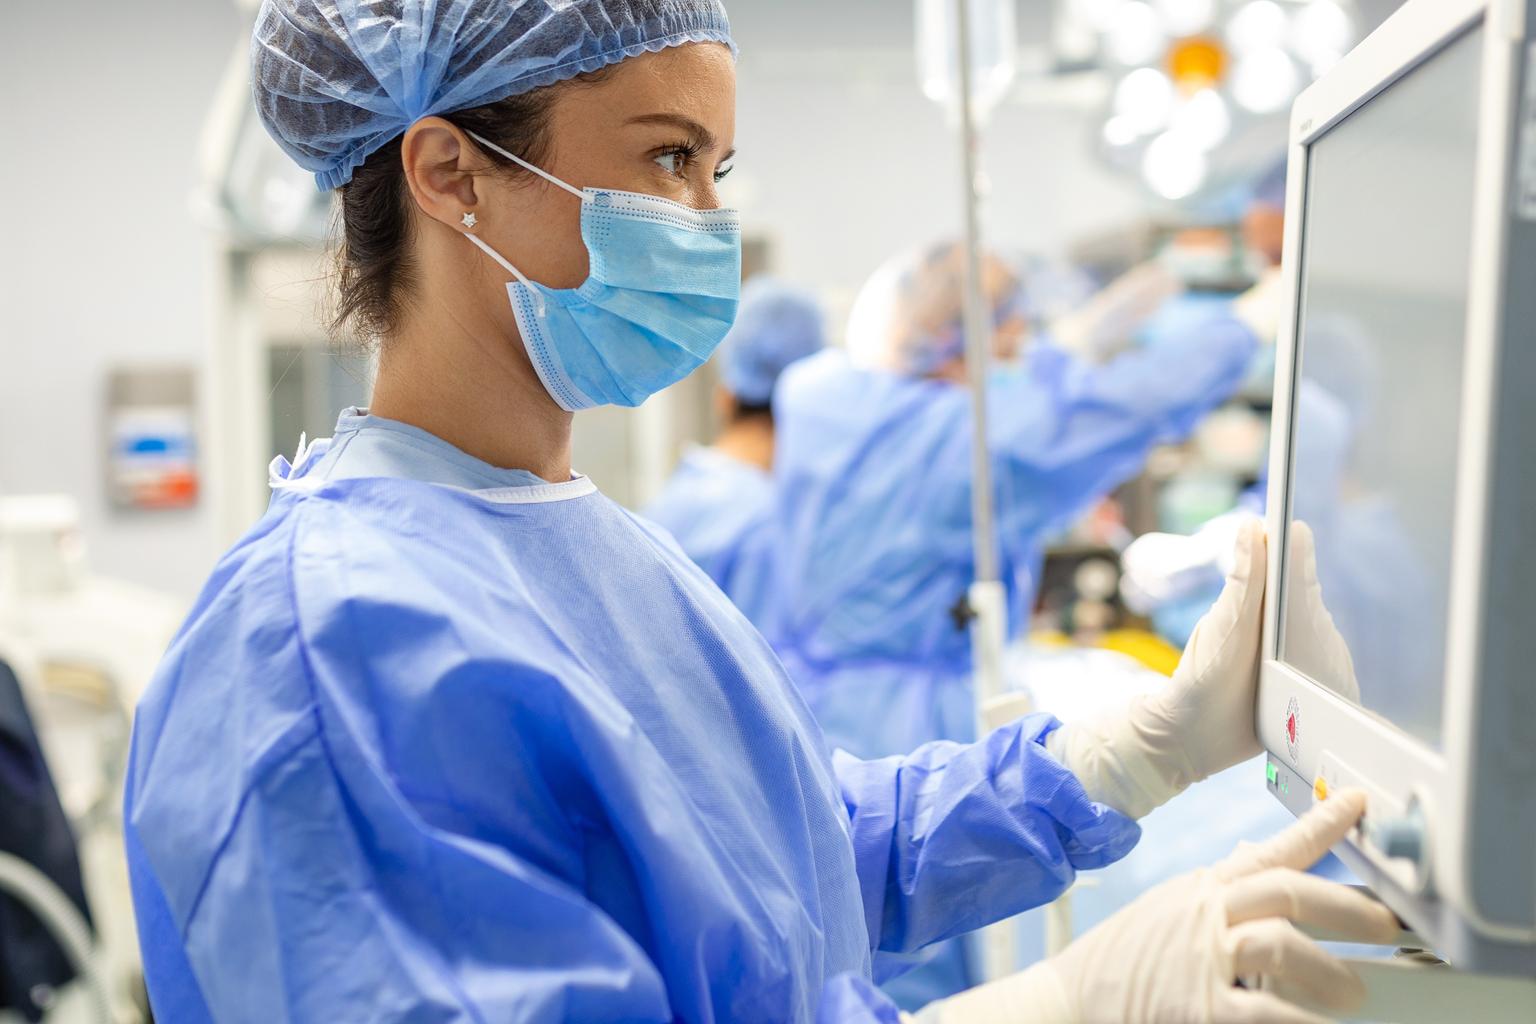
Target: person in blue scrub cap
column 719, row 503
column 450, row 736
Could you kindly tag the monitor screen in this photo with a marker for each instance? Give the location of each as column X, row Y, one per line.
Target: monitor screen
column 1386, row 240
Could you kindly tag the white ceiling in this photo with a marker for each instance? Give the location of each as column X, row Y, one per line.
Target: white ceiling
column 888, row 24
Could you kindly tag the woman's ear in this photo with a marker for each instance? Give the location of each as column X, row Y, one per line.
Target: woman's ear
column 440, row 168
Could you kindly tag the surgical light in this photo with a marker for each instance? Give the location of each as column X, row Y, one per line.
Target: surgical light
column 1119, row 132
column 1264, row 81
column 1145, row 99
column 1202, row 120
column 1197, row 63
column 1173, row 167
column 1258, row 25
column 1137, row 35
column 1321, row 32
column 1186, row 17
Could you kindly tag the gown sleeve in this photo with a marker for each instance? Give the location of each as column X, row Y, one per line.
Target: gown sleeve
column 954, row 837
column 1071, row 430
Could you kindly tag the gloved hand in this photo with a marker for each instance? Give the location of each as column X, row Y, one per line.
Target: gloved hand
column 1159, row 568
column 1260, row 306
column 1200, row 723
column 1176, row 953
column 1313, row 643
column 1109, row 320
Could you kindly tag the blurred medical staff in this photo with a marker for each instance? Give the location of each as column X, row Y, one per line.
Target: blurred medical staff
column 719, row 503
column 875, row 478
column 874, row 472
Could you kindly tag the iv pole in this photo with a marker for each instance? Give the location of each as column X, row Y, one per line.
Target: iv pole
column 986, row 598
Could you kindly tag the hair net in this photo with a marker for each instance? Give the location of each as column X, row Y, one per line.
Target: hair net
column 909, row 316
column 334, row 80
column 776, row 325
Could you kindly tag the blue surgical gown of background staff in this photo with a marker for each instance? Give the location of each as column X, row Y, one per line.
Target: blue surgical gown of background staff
column 720, row 510
column 502, row 753
column 875, row 550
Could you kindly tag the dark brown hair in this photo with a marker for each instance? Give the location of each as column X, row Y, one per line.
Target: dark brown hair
column 374, row 269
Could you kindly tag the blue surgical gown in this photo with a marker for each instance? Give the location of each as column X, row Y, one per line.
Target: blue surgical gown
column 874, row 554
column 430, row 752
column 874, row 499
column 720, row 511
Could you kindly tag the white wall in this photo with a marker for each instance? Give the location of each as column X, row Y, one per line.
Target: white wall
column 101, row 263
column 842, row 160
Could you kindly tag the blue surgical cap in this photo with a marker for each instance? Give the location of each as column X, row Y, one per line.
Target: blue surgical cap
column 1269, row 188
column 335, row 80
column 776, row 325
column 908, row 317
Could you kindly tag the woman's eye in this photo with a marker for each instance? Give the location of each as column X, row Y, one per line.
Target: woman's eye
column 672, row 163
column 723, row 173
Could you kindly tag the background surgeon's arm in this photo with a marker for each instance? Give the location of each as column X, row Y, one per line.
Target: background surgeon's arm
column 956, row 836
column 1065, row 431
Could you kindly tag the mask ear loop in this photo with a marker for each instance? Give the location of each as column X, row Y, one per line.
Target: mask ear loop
column 525, row 165
column 501, row 260
column 538, row 296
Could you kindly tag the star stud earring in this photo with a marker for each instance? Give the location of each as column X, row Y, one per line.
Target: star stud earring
column 470, row 220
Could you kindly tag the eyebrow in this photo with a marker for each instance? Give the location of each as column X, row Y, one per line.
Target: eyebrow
column 704, row 135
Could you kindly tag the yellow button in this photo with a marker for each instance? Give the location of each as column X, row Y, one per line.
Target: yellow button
column 1320, row 788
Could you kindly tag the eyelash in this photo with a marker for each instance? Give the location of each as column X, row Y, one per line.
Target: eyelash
column 690, row 152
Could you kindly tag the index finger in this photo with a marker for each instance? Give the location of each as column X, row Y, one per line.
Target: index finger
column 1304, row 843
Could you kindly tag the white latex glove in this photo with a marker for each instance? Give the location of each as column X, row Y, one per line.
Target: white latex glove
column 1109, row 320
column 1313, row 643
column 1197, row 725
column 1175, row 954
column 1157, row 568
column 1259, row 307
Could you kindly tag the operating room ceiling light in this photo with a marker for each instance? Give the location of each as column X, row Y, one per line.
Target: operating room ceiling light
column 1120, row 132
column 1203, row 120
column 1172, row 167
column 1186, row 17
column 1194, row 74
column 1321, row 33
column 1137, row 35
column 1265, row 81
column 1197, row 63
column 1145, row 100
column 1257, row 25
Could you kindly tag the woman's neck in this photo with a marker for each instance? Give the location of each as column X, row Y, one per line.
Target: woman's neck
column 748, row 440
column 480, row 396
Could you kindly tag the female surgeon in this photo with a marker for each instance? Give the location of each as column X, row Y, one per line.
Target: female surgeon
column 449, row 736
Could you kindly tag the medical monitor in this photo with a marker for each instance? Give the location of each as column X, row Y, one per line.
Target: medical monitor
column 1400, row 637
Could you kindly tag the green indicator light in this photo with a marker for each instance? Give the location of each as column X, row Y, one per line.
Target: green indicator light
column 1271, row 773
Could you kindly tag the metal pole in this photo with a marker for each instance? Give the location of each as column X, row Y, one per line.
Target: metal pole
column 978, row 324
column 987, row 600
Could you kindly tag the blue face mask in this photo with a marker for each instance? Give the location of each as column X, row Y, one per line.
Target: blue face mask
column 659, row 297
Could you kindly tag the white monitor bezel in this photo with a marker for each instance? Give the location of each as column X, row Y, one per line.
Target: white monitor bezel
column 1392, row 766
